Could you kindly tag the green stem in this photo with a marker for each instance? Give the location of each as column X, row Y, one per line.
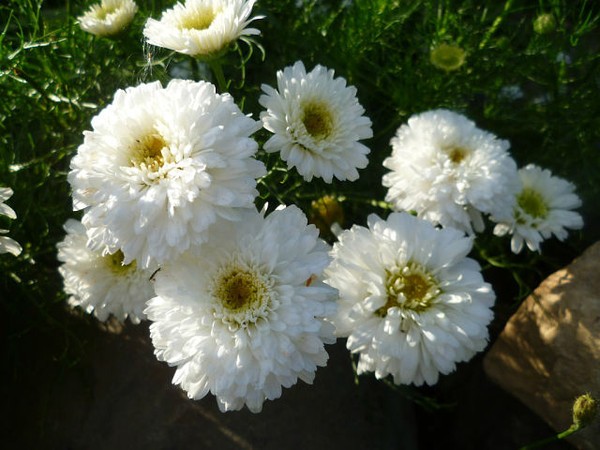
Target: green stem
column 496, row 24
column 572, row 429
column 217, row 70
column 194, row 67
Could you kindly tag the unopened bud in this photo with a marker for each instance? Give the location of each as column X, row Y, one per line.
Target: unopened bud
column 544, row 24
column 585, row 409
column 447, row 57
column 326, row 211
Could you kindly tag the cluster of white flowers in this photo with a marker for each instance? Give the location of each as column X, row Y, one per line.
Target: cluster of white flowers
column 200, row 28
column 242, row 302
column 7, row 245
column 451, row 173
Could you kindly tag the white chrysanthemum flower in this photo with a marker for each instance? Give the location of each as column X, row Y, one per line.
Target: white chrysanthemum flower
column 101, row 285
column 7, row 245
column 160, row 166
column 202, row 28
column 450, row 172
column 317, row 123
column 242, row 316
column 411, row 303
column 108, row 17
column 543, row 208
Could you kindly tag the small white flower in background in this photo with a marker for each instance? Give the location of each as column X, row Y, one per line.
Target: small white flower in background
column 8, row 245
column 100, row 284
column 160, row 166
column 543, row 208
column 242, row 315
column 317, row 123
column 449, row 171
column 202, row 28
column 411, row 303
column 108, row 18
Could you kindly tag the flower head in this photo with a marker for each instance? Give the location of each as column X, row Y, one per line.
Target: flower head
column 7, row 245
column 585, row 410
column 100, row 283
column 449, row 171
column 543, row 208
column 447, row 57
column 160, row 166
column 202, row 28
column 317, row 123
column 243, row 318
column 411, row 303
column 108, row 17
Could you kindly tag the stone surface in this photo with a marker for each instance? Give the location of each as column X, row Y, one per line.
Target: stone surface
column 549, row 351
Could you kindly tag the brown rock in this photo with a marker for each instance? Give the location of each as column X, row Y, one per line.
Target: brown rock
column 549, row 352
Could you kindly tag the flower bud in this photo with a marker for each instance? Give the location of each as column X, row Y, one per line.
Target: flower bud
column 326, row 211
column 585, row 409
column 447, row 57
column 544, row 23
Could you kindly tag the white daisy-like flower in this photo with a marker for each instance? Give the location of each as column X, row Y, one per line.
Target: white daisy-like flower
column 411, row 303
column 242, row 316
column 449, row 171
column 108, row 17
column 7, row 245
column 202, row 28
column 160, row 166
column 101, row 285
column 543, row 208
column 317, row 123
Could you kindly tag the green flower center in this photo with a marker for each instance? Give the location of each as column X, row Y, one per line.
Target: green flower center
column 456, row 154
column 147, row 152
column 199, row 19
column 410, row 287
column 317, row 119
column 532, row 203
column 447, row 57
column 115, row 263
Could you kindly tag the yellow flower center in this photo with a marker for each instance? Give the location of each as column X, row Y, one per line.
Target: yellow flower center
column 199, row 19
column 238, row 290
column 456, row 154
column 243, row 295
column 147, row 152
column 532, row 203
column 317, row 119
column 410, row 287
column 115, row 263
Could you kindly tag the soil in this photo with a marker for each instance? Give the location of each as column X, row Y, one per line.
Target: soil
column 118, row 396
